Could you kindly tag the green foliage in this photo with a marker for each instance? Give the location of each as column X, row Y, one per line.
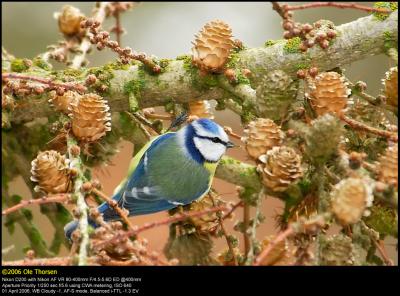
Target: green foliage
column 249, row 196
column 323, row 138
column 387, row 5
column 292, row 45
column 383, row 220
column 10, row 223
column 27, row 213
column 372, row 145
column 101, row 152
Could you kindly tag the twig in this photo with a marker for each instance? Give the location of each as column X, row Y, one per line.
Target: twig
column 58, row 261
column 114, row 205
column 279, row 9
column 250, row 254
column 142, row 120
column 221, row 224
column 81, row 204
column 115, row 9
column 361, row 126
column 302, row 226
column 99, row 16
column 230, row 132
column 102, row 39
column 60, row 198
column 149, row 113
column 234, row 207
column 282, row 236
column 381, row 248
column 176, row 218
column 8, row 249
column 53, row 85
column 337, row 5
column 117, row 29
column 246, row 224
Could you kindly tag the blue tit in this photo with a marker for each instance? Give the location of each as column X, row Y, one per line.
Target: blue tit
column 173, row 169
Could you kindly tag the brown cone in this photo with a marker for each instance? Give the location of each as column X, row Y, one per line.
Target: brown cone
column 201, row 109
column 61, row 103
column 212, row 46
column 261, row 135
column 69, row 20
column 388, row 166
column 391, row 87
column 205, row 222
column 350, row 198
column 281, row 167
column 50, row 171
column 328, row 93
column 90, row 118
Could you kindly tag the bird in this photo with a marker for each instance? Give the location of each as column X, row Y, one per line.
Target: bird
column 171, row 170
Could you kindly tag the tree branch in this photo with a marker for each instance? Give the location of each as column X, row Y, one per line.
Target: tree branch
column 99, row 15
column 355, row 41
column 60, row 198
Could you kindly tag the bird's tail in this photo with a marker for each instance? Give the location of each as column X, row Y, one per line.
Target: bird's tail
column 73, row 225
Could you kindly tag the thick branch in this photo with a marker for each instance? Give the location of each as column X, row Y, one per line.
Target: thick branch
column 356, row 40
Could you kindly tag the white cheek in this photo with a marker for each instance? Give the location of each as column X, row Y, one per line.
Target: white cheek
column 211, row 151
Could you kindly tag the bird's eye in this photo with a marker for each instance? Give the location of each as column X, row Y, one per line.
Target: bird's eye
column 215, row 140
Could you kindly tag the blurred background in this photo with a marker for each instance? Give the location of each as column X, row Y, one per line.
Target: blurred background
column 166, row 29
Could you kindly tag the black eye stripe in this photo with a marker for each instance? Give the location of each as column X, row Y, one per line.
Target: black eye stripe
column 213, row 139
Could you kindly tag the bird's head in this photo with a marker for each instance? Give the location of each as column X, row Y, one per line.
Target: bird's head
column 207, row 138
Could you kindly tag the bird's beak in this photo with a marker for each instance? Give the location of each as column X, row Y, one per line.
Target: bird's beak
column 230, row 144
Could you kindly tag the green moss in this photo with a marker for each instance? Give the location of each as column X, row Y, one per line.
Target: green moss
column 72, row 72
column 292, row 45
column 41, row 63
column 183, row 57
column 164, row 64
column 241, row 79
column 233, row 61
column 387, row 5
column 117, row 65
column 199, row 82
column 303, row 65
column 209, row 80
column 18, row 65
column 135, row 86
column 105, row 74
column 389, row 40
column 270, row 42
